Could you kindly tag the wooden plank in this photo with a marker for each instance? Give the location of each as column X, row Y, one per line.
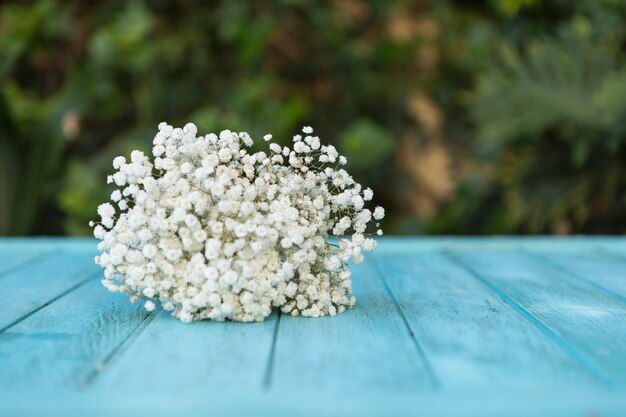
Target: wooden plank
column 368, row 348
column 617, row 246
column 199, row 357
column 408, row 245
column 358, row 404
column 12, row 260
column 607, row 272
column 62, row 344
column 474, row 340
column 19, row 252
column 509, row 327
column 28, row 289
column 586, row 323
column 40, row 244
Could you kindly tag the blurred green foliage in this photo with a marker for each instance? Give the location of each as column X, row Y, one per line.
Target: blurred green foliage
column 495, row 116
column 548, row 114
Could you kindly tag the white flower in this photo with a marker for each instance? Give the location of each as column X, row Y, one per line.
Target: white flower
column 221, row 233
column 369, row 244
column 149, row 251
column 106, row 210
column 118, row 162
column 368, row 194
column 158, row 150
column 246, row 139
column 116, row 195
column 190, row 129
column 357, row 202
column 230, row 277
column 99, row 232
column 212, row 247
column 119, row 178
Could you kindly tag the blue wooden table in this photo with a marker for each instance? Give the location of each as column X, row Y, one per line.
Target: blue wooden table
column 442, row 327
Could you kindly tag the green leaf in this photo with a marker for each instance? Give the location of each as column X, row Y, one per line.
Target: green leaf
column 365, row 144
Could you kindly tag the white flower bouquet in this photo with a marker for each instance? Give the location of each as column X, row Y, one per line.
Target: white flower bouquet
column 212, row 231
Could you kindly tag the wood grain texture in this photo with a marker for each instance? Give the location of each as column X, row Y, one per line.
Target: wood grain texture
column 67, row 341
column 473, row 338
column 442, row 327
column 407, row 245
column 11, row 260
column 604, row 270
column 30, row 288
column 196, row 357
column 368, row 348
column 585, row 323
column 30, row 245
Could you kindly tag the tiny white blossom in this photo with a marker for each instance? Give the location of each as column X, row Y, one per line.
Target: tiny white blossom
column 368, row 194
column 190, row 129
column 99, row 232
column 222, row 233
column 106, row 210
column 118, row 162
column 116, row 195
column 149, row 251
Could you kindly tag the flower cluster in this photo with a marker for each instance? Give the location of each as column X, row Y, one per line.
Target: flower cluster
column 213, row 231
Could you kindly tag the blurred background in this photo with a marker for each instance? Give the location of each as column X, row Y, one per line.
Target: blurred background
column 481, row 117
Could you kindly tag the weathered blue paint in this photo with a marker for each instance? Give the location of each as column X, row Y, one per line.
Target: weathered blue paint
column 68, row 341
column 26, row 290
column 442, row 327
column 361, row 350
column 473, row 337
column 195, row 358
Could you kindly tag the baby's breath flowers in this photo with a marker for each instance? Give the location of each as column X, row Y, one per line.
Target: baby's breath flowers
column 211, row 231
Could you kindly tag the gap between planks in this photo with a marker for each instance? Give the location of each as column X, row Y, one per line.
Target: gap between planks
column 578, row 357
column 121, row 346
column 47, row 303
column 432, row 375
column 33, row 260
column 569, row 272
column 269, row 369
column 610, row 253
